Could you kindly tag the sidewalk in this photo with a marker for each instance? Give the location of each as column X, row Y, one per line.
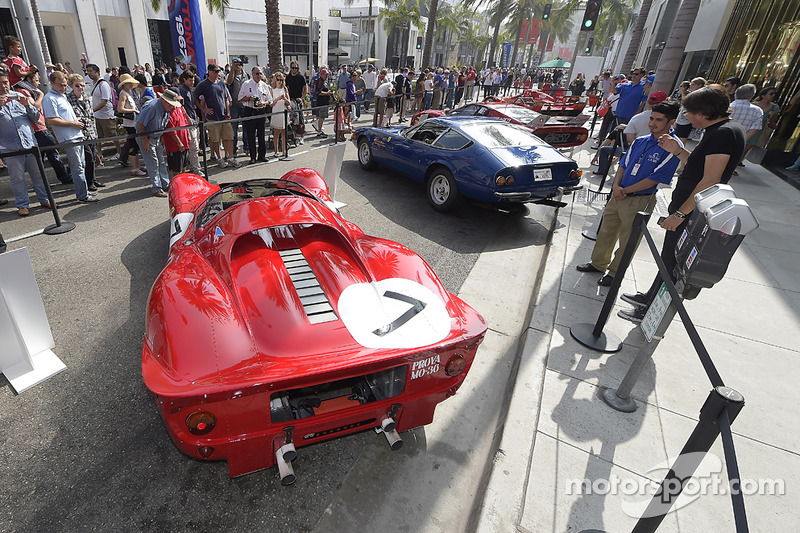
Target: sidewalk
column 558, row 433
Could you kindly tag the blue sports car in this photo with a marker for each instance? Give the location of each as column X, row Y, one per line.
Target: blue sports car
column 486, row 160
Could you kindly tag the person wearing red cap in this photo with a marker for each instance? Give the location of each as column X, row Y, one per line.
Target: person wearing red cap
column 643, row 167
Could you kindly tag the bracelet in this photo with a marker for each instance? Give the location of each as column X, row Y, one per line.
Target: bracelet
column 678, row 214
column 679, row 153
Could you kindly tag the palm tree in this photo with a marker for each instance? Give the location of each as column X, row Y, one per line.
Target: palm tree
column 521, row 11
column 429, row 32
column 676, row 44
column 274, row 50
column 636, row 36
column 615, row 18
column 449, row 25
column 397, row 15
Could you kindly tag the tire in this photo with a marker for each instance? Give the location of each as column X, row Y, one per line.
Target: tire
column 443, row 193
column 365, row 157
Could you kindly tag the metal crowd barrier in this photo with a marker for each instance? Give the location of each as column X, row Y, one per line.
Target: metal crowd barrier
column 720, row 409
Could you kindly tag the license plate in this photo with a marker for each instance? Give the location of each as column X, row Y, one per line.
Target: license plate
column 543, row 174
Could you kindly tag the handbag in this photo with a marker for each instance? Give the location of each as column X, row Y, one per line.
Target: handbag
column 603, row 109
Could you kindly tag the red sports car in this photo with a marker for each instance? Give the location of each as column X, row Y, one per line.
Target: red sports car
column 277, row 323
column 558, row 136
column 569, row 106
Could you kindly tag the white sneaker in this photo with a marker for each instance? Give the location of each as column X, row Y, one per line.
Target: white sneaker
column 233, row 163
column 114, row 157
column 222, row 163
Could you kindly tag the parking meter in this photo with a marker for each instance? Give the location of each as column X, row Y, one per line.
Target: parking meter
column 715, row 230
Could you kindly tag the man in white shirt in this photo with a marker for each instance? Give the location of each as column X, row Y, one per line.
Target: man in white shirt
column 103, row 106
column 370, row 78
column 383, row 92
column 255, row 95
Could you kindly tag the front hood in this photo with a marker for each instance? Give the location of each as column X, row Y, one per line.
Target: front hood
column 513, row 156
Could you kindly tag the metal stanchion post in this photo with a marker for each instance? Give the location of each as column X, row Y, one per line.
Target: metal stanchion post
column 592, row 335
column 620, row 399
column 201, row 126
column 59, row 227
column 721, row 401
column 285, row 156
column 336, row 123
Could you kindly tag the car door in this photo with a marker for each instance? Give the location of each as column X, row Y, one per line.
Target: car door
column 409, row 155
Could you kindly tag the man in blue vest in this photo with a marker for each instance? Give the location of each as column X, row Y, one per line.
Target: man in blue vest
column 641, row 169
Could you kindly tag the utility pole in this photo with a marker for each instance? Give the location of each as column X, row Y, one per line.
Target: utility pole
column 310, row 36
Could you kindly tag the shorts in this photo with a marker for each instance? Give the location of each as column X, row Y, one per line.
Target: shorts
column 682, row 130
column 322, row 112
column 106, row 127
column 177, row 161
column 217, row 131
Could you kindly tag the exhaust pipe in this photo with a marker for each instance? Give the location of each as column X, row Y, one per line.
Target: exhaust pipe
column 285, row 469
column 388, row 424
column 288, row 452
column 394, row 439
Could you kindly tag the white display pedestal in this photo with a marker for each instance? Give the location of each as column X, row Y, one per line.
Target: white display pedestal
column 26, row 357
column 333, row 166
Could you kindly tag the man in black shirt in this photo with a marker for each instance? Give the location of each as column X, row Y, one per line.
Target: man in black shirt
column 298, row 88
column 186, row 90
column 712, row 161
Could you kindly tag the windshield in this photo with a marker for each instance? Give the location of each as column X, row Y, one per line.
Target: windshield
column 501, row 134
column 234, row 193
column 520, row 114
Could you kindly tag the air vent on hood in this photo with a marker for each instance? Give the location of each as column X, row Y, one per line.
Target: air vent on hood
column 315, row 303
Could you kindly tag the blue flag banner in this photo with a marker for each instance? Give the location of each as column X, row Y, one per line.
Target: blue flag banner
column 187, row 34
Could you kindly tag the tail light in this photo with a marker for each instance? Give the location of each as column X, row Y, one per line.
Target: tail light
column 575, row 174
column 200, row 422
column 455, row 365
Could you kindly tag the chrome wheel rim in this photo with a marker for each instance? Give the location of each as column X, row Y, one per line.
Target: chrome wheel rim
column 440, row 189
column 363, row 153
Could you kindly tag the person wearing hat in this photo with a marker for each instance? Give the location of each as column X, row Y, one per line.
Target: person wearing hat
column 61, row 117
column 234, row 80
column 324, row 93
column 642, row 168
column 214, row 101
column 153, row 119
column 127, row 108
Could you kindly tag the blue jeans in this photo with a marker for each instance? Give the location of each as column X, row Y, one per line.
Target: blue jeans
column 451, row 93
column 155, row 160
column 368, row 98
column 16, row 173
column 427, row 100
column 237, row 113
column 77, row 166
column 605, row 158
column 359, row 99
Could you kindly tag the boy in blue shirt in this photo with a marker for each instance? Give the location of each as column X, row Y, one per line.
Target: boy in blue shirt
column 641, row 169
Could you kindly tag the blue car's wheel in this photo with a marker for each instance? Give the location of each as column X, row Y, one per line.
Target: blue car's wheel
column 365, row 158
column 443, row 191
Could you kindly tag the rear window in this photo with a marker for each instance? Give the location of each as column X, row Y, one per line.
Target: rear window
column 501, row 134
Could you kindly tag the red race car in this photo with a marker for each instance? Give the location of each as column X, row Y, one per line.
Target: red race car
column 569, row 106
column 558, row 136
column 277, row 323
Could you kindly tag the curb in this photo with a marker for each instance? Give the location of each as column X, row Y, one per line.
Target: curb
column 505, row 483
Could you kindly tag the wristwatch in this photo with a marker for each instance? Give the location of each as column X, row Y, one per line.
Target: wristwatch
column 678, row 214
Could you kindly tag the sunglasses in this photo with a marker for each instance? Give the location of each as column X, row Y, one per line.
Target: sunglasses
column 295, row 68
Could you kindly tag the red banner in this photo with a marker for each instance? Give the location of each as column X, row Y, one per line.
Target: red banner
column 523, row 31
column 550, row 43
column 542, row 43
column 533, row 33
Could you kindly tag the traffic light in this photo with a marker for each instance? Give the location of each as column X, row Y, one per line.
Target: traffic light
column 588, row 48
column 419, row 43
column 546, row 14
column 590, row 15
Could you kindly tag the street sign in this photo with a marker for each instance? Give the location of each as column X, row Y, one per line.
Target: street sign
column 656, row 312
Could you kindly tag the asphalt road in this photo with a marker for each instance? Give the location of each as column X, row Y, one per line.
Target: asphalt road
column 86, row 449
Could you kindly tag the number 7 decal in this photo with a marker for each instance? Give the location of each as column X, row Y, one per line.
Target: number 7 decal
column 416, row 308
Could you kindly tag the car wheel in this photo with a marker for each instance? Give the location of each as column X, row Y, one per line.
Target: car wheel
column 442, row 190
column 365, row 158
